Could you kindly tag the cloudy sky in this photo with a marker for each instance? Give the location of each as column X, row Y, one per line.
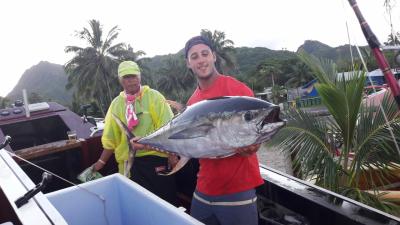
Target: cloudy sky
column 34, row 31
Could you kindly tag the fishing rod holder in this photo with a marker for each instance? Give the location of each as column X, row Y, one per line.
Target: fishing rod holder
column 7, row 141
column 46, row 178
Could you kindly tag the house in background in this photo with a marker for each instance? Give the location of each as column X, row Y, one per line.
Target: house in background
column 265, row 95
column 306, row 91
column 375, row 77
column 309, row 90
column 307, row 95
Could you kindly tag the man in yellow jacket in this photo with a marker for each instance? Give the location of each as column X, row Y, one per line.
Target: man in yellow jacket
column 143, row 110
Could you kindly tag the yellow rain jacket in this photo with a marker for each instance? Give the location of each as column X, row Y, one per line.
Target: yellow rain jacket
column 153, row 112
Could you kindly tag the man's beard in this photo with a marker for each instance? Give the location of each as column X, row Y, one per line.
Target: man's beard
column 213, row 72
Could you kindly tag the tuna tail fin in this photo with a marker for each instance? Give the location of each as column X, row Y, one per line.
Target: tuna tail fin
column 123, row 127
column 182, row 162
column 132, row 151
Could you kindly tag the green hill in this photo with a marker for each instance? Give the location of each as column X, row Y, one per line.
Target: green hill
column 340, row 55
column 45, row 79
column 48, row 80
column 249, row 58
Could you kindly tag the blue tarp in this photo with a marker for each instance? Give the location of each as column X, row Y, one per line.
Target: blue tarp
column 375, row 77
column 310, row 90
column 309, row 84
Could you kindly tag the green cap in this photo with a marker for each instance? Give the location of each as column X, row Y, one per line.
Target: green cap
column 128, row 68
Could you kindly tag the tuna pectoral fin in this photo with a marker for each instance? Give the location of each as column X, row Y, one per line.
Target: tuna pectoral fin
column 193, row 132
column 182, row 162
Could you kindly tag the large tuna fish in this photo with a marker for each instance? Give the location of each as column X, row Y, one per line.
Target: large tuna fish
column 214, row 128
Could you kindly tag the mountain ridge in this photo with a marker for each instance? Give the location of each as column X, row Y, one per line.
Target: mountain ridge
column 49, row 79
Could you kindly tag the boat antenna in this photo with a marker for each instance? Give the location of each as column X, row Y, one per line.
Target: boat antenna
column 26, row 103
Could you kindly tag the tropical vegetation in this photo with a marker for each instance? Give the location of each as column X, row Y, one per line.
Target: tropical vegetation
column 4, row 102
column 337, row 153
column 223, row 49
column 93, row 69
column 351, row 151
column 175, row 79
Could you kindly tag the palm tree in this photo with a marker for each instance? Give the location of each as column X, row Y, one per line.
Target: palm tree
column 125, row 52
column 278, row 94
column 271, row 70
column 223, row 49
column 300, row 75
column 360, row 129
column 93, row 68
column 393, row 39
column 175, row 79
column 266, row 75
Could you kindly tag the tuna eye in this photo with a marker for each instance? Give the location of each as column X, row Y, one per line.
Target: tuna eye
column 248, row 116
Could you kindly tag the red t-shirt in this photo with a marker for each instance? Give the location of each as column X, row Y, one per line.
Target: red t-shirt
column 231, row 174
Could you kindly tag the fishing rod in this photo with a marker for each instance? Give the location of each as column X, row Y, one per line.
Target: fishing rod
column 374, row 44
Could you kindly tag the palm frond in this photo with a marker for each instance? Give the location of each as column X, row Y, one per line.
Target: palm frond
column 305, row 137
column 324, row 70
column 369, row 154
column 93, row 69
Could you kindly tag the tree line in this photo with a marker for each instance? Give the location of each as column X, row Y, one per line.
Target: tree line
column 92, row 71
column 93, row 68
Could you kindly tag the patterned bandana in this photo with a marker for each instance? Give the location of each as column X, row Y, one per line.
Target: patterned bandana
column 130, row 114
column 195, row 41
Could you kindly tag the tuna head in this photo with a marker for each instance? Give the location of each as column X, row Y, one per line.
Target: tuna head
column 216, row 127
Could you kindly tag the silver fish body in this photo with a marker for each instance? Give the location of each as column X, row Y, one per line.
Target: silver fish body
column 215, row 128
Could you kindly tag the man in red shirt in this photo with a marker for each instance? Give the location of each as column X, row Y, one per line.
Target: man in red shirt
column 225, row 191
